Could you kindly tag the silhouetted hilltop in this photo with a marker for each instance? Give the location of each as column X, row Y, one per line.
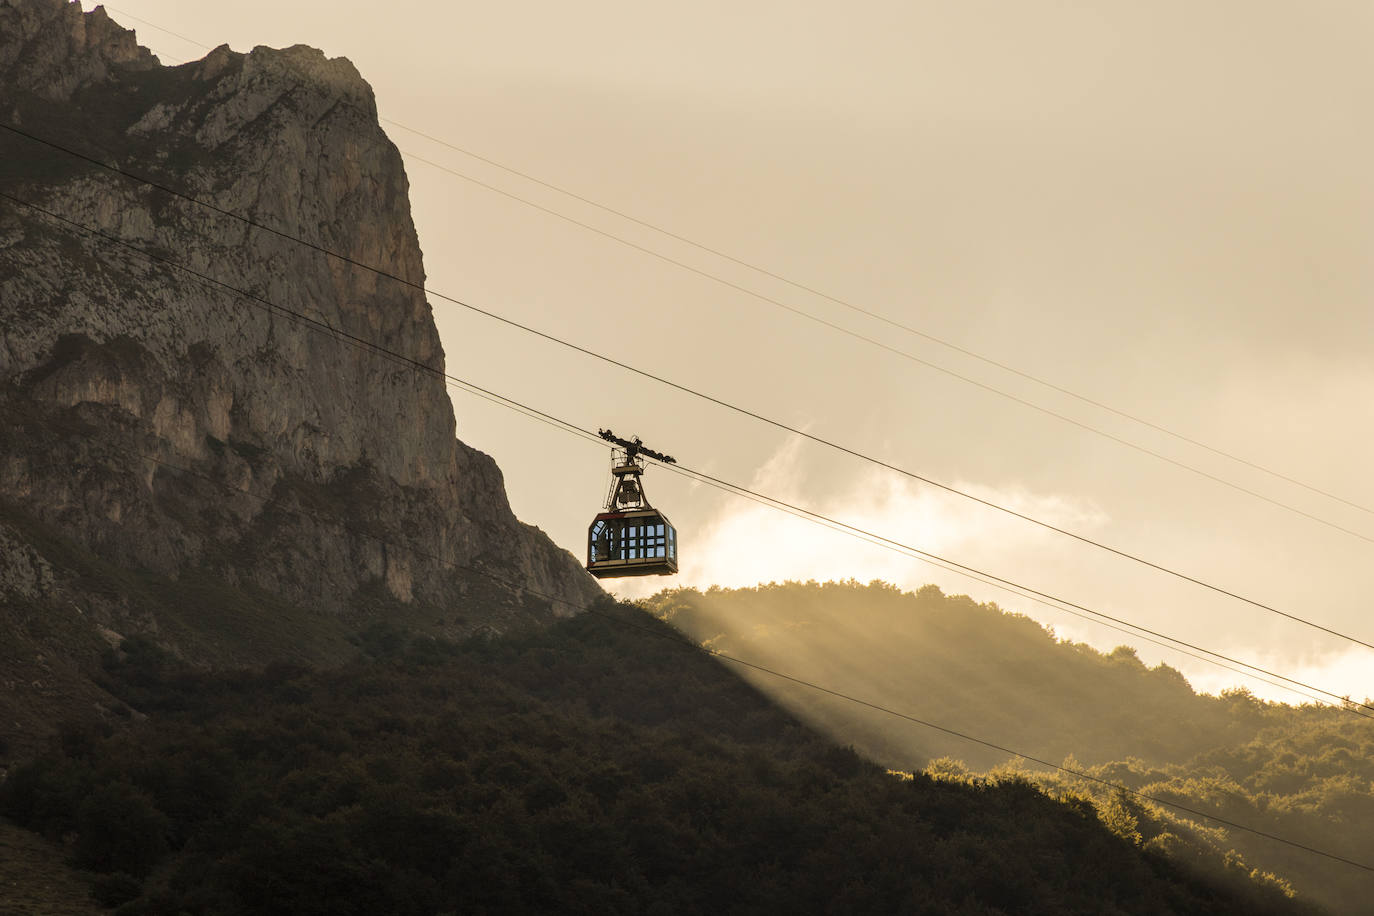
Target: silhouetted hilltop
column 1304, row 773
column 956, row 662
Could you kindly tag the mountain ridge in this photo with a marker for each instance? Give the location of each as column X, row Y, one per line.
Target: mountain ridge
column 166, row 425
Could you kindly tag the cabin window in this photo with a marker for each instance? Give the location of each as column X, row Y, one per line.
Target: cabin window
column 635, row 542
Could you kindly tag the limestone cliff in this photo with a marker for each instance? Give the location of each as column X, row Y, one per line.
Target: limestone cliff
column 151, row 421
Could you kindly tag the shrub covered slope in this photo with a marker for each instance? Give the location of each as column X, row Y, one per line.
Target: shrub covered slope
column 599, row 767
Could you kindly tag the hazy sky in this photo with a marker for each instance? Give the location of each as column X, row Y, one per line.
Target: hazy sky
column 1166, row 207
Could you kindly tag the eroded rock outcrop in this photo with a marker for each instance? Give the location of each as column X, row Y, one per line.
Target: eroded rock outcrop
column 166, row 422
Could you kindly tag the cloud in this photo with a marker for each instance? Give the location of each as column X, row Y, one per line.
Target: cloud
column 1347, row 673
column 746, row 543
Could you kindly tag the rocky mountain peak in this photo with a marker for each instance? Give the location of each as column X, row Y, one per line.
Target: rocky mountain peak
column 50, row 47
column 158, row 417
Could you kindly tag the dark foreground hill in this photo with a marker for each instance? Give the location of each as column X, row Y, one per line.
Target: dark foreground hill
column 599, row 767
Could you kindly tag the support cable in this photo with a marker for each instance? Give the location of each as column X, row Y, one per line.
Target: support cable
column 777, row 424
column 404, row 361
column 913, row 358
column 877, row 316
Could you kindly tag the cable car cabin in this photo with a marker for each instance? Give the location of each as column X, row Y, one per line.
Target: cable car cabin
column 638, row 543
column 630, row 537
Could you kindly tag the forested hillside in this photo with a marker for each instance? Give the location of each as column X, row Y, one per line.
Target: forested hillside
column 603, row 766
column 1300, row 772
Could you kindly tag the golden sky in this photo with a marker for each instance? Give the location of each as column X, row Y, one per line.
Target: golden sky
column 1165, row 207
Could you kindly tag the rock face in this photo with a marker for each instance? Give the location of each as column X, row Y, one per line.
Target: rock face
column 167, row 424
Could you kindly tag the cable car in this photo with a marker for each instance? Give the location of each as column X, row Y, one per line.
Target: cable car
column 630, row 537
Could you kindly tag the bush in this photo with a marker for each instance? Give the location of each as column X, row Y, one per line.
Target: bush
column 120, row 830
column 115, row 889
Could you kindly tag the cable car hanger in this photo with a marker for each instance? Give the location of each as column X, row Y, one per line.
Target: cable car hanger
column 629, row 537
column 636, row 447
